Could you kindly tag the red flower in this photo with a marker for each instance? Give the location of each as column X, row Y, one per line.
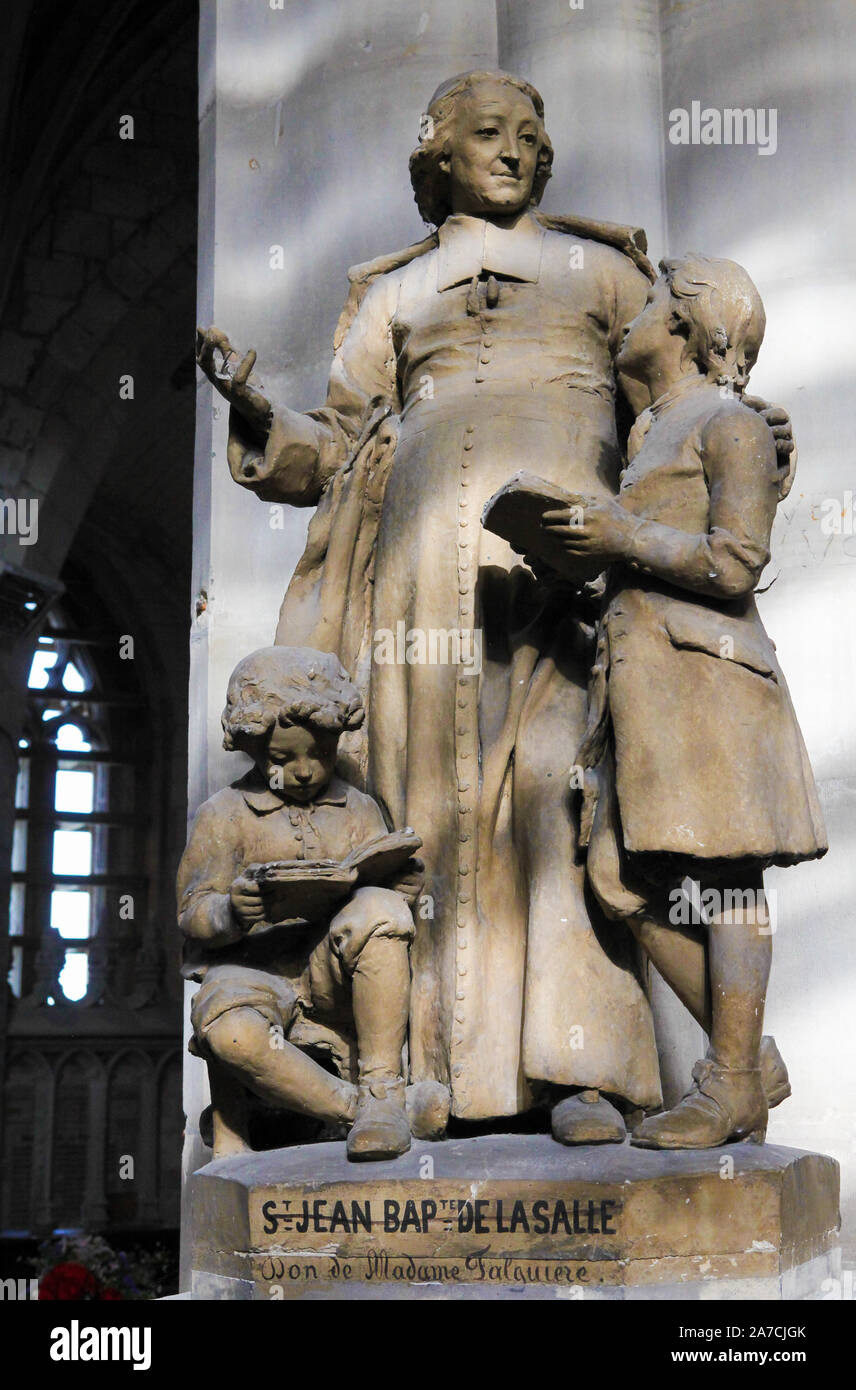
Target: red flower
column 68, row 1281
column 111, row 1294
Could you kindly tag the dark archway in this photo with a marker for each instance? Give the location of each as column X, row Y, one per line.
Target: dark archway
column 97, row 404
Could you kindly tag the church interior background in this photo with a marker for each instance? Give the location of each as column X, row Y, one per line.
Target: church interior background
column 98, row 405
column 97, row 283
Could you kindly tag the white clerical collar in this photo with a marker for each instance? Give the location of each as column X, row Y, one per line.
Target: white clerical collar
column 470, row 245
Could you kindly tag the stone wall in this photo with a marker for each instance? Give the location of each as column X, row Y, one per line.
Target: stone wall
column 308, row 114
column 784, row 217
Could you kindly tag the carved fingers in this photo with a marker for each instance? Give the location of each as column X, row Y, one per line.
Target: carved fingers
column 213, row 351
column 247, row 905
column 590, row 526
column 779, row 421
column 217, row 359
column 246, row 396
column 411, row 881
column 243, row 371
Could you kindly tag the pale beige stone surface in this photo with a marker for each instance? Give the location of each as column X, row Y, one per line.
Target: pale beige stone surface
column 612, row 1222
column 800, row 264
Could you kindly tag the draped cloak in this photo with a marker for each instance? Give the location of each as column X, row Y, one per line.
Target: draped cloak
column 475, row 353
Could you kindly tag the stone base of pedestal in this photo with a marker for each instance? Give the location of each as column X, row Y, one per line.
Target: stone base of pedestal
column 512, row 1216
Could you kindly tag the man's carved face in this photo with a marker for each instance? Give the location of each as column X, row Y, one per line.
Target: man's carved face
column 493, row 151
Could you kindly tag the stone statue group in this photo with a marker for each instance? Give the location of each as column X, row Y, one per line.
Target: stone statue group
column 627, row 742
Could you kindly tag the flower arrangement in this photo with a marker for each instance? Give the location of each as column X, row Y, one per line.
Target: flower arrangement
column 87, row 1268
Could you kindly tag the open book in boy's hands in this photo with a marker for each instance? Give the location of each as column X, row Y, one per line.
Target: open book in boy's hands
column 380, row 859
column 295, row 891
column 515, row 513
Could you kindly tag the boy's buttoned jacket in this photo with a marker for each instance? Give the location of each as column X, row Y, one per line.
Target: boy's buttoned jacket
column 246, row 824
column 710, row 761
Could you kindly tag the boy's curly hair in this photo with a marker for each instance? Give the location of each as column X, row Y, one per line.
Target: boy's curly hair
column 430, row 182
column 288, row 685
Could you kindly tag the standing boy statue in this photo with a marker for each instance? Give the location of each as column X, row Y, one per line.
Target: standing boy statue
column 695, row 763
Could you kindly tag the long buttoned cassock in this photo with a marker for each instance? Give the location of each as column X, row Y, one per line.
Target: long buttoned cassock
column 494, row 348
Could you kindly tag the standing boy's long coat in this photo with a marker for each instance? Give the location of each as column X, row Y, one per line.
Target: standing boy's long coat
column 709, row 759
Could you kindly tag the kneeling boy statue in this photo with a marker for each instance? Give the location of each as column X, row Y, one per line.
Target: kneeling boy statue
column 290, row 920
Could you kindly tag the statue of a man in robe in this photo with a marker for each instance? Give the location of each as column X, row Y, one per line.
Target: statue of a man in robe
column 485, row 348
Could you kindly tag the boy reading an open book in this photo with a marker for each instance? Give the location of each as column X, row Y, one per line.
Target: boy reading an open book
column 273, row 988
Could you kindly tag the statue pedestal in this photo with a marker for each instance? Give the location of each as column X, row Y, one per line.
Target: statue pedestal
column 513, row 1216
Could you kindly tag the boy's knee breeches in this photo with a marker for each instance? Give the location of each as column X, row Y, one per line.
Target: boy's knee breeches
column 371, row 913
column 323, row 988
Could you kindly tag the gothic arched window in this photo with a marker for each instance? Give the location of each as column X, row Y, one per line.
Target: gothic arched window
column 77, row 826
column 93, row 1017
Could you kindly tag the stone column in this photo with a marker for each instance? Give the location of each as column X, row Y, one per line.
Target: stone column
column 597, row 66
column 15, row 658
column 308, row 114
column 43, row 1132
column 148, row 1206
column 95, row 1210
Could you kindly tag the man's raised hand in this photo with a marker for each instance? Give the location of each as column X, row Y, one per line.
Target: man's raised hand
column 217, row 358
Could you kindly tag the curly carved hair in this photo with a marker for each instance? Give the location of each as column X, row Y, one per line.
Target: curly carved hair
column 723, row 314
column 288, row 685
column 430, row 182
